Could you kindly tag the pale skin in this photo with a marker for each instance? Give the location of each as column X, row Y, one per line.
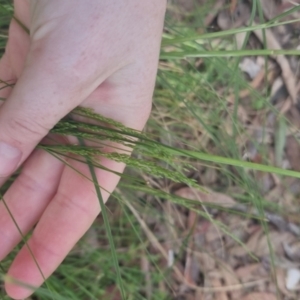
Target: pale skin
column 99, row 54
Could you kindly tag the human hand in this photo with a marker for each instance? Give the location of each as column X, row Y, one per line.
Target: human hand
column 97, row 54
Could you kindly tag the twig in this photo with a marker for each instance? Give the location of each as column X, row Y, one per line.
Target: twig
column 287, row 73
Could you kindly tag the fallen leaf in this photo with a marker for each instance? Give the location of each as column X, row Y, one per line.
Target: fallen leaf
column 292, row 251
column 112, row 293
column 209, row 197
column 230, row 279
column 260, row 296
column 281, row 278
column 293, row 152
column 248, row 272
column 205, row 261
column 276, row 238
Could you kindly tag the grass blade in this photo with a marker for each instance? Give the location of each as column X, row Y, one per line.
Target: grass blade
column 106, row 223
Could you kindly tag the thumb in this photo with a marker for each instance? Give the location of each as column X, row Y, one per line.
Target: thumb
column 38, row 101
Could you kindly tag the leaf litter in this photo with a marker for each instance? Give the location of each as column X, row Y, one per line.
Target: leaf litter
column 215, row 265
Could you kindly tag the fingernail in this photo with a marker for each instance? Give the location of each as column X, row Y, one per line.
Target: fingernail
column 9, row 159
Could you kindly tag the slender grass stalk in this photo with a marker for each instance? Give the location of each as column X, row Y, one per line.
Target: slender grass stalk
column 106, row 222
column 226, row 53
column 26, row 245
column 168, row 40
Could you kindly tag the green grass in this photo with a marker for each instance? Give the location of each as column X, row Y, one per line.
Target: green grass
column 192, row 129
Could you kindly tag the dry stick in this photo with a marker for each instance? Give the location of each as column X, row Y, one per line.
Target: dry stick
column 287, row 73
column 155, row 243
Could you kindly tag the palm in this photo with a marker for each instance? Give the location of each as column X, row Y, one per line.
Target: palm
column 59, row 200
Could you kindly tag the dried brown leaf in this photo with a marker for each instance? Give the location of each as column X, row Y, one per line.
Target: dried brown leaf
column 292, row 251
column 251, row 244
column 281, row 277
column 249, row 272
column 230, row 279
column 260, row 296
column 276, row 238
column 209, row 197
column 206, row 261
column 112, row 293
column 270, row 8
column 293, row 152
column 191, row 270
